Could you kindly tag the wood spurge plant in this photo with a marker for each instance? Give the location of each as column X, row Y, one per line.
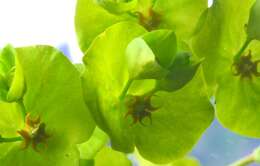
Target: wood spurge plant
column 149, row 72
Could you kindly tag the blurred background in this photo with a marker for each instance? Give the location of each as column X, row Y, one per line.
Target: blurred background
column 29, row 22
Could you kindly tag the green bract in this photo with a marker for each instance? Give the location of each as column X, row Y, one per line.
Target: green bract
column 151, row 55
column 117, row 7
column 174, row 127
column 181, row 71
column 114, row 158
column 186, row 161
column 163, row 43
column 94, row 16
column 90, row 148
column 11, row 75
column 253, row 27
column 231, row 67
column 53, row 93
column 237, row 101
column 108, row 156
column 11, row 119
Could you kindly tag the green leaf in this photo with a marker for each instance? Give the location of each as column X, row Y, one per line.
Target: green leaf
column 237, row 100
column 180, row 15
column 12, row 79
column 90, row 148
column 117, row 7
column 177, row 125
column 142, row 63
column 60, row 154
column 17, row 86
column 54, row 93
column 188, row 161
column 253, row 27
column 220, row 38
column 47, row 85
column 163, row 43
column 114, row 158
column 181, row 72
column 11, row 119
column 106, row 58
column 91, row 20
column 167, row 137
column 7, row 59
column 219, row 41
column 237, row 105
column 84, row 162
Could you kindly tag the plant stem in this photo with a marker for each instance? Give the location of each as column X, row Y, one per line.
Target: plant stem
column 244, row 161
column 240, row 52
column 125, row 90
column 20, row 102
column 13, row 139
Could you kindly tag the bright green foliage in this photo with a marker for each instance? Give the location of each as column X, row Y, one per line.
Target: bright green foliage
column 170, row 136
column 238, row 101
column 90, row 148
column 94, row 16
column 117, row 7
column 163, row 43
column 186, row 161
column 114, row 158
column 11, row 75
column 181, row 71
column 141, row 61
column 106, row 59
column 151, row 55
column 221, row 43
column 220, row 37
column 90, row 20
column 175, row 126
column 11, row 119
column 107, row 156
column 180, row 15
column 253, row 27
column 53, row 92
column 141, row 83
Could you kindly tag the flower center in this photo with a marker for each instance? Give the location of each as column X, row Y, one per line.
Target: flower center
column 139, row 107
column 34, row 133
column 245, row 67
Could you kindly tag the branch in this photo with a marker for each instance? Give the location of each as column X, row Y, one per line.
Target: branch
column 252, row 158
column 12, row 139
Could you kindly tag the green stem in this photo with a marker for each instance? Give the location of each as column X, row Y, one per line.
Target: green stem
column 244, row 161
column 20, row 102
column 125, row 90
column 13, row 139
column 240, row 52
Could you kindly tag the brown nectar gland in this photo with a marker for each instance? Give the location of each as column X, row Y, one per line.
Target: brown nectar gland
column 34, row 133
column 150, row 22
column 245, row 67
column 139, row 107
